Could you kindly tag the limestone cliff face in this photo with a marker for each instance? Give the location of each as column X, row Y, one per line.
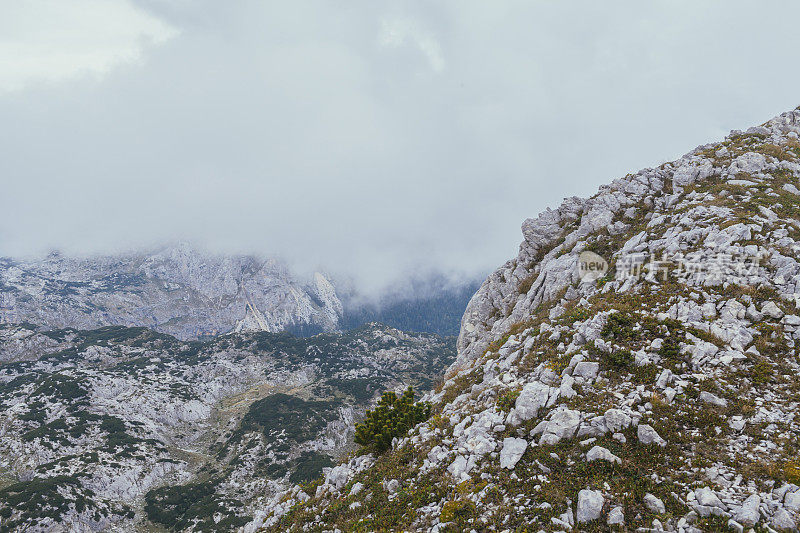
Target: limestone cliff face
column 178, row 291
column 661, row 396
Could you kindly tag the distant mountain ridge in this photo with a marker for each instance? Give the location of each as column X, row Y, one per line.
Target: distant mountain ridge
column 190, row 294
column 178, row 290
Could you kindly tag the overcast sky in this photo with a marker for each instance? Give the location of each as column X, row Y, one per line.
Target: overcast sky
column 368, row 137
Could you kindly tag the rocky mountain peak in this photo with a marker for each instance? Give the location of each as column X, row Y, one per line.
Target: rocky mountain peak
column 658, row 393
column 612, row 211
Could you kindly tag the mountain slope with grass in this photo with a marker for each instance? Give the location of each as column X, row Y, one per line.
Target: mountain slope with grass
column 659, row 395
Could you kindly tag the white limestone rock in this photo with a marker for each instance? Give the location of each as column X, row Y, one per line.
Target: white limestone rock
column 690, row 172
column 462, row 466
column 616, row 517
column 512, row 451
column 749, row 163
column 792, row 501
column 748, row 513
column 707, row 497
column 772, row 310
column 654, row 503
column 647, row 435
column 598, row 453
column 391, row 486
column 782, row 520
column 563, row 424
column 791, row 188
column 713, row 399
column 617, row 420
column 587, row 370
column 534, row 396
column 590, row 505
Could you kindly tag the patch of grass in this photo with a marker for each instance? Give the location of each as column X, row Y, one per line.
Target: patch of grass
column 526, row 284
column 574, row 314
column 762, row 372
column 714, row 523
column 460, row 384
column 792, row 471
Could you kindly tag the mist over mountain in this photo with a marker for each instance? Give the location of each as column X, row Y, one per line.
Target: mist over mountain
column 375, row 140
column 434, row 304
column 194, row 294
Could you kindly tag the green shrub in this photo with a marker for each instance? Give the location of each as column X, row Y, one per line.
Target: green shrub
column 195, row 506
column 645, row 374
column 508, row 400
column 309, row 466
column 40, row 498
column 671, row 349
column 393, row 417
column 617, row 359
column 297, row 419
column 459, row 512
column 619, row 327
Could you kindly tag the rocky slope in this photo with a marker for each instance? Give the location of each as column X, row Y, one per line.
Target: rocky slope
column 660, row 395
column 178, row 290
column 127, row 429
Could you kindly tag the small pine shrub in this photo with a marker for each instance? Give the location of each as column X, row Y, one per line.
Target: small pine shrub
column 459, row 512
column 792, row 471
column 508, row 400
column 671, row 349
column 617, row 359
column 393, row 417
column 619, row 327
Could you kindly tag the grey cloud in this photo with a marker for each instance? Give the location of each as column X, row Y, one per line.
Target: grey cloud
column 305, row 129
